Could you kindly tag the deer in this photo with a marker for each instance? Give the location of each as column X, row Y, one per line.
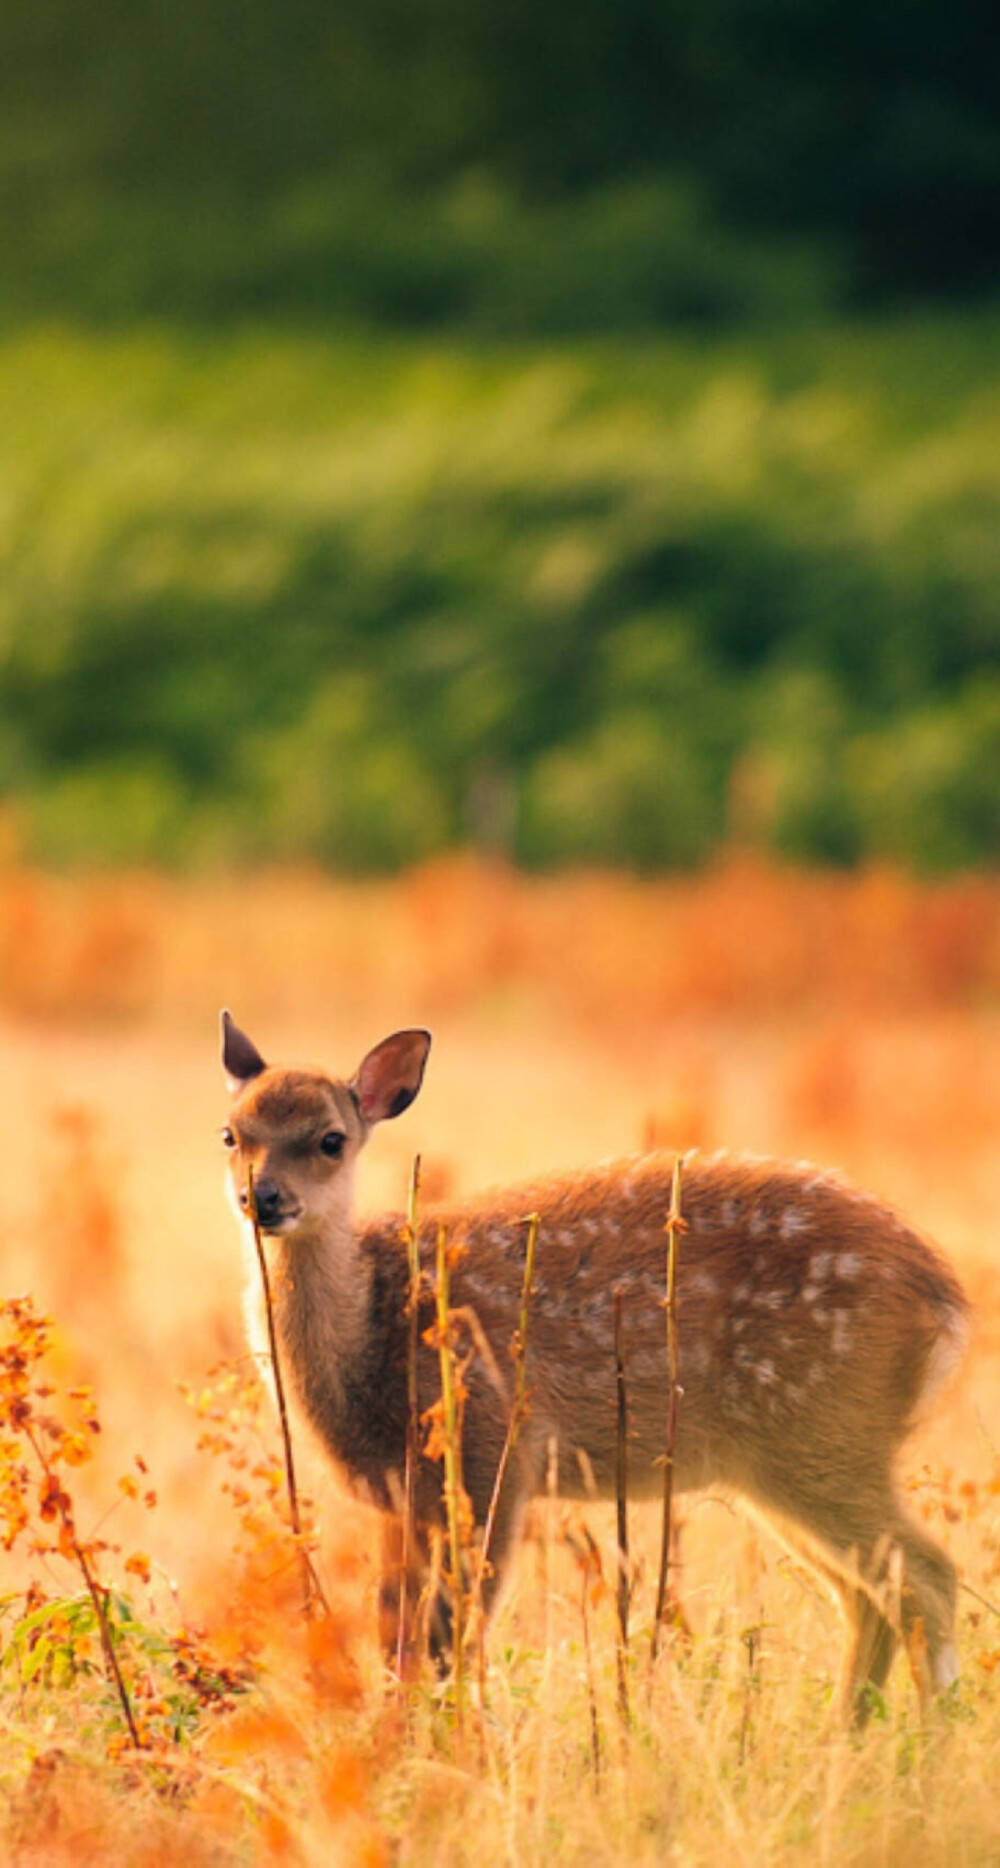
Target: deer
column 814, row 1327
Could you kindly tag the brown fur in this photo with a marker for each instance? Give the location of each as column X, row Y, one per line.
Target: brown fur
column 813, row 1325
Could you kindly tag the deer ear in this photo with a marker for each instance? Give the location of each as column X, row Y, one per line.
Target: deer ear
column 241, row 1059
column 388, row 1079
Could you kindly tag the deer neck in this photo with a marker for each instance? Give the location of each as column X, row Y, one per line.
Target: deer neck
column 321, row 1290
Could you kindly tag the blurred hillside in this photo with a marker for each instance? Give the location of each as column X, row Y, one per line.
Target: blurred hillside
column 574, row 433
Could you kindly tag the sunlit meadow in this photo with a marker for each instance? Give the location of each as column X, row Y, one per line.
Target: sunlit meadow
column 850, row 1019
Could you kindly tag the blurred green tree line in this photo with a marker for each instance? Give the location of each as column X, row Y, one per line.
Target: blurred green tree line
column 877, row 126
column 357, row 599
column 569, row 428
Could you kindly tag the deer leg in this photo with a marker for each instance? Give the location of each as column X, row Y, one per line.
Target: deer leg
column 402, row 1581
column 927, row 1607
column 871, row 1647
column 923, row 1618
column 871, row 1638
column 848, row 1532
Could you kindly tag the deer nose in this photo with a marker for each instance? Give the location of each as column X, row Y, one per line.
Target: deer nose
column 266, row 1200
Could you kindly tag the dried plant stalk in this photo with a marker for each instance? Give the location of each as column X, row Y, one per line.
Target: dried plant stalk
column 623, row 1588
column 412, row 1415
column 674, row 1227
column 312, row 1593
column 519, row 1406
column 591, row 1563
column 451, row 1431
column 518, row 1414
column 98, row 1596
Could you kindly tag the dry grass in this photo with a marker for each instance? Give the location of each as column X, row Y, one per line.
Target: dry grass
column 853, row 1019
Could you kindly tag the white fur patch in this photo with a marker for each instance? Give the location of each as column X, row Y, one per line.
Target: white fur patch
column 944, row 1667
column 701, row 1284
column 946, row 1353
column 842, row 1338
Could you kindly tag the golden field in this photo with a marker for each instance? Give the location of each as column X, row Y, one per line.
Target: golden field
column 850, row 1019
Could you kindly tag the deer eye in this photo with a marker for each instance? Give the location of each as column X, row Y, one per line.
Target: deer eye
column 228, row 1138
column 333, row 1144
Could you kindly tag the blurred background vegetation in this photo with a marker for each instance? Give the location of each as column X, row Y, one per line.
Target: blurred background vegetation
column 573, row 430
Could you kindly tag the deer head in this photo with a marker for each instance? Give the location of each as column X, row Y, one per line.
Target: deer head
column 293, row 1136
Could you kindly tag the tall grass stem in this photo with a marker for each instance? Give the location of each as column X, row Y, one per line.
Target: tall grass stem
column 312, row 1592
column 623, row 1579
column 675, row 1226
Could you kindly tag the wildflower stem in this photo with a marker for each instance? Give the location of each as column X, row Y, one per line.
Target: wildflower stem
column 518, row 1406
column 312, row 1592
column 452, row 1471
column 97, row 1596
column 621, row 1500
column 412, row 1416
column 674, row 1227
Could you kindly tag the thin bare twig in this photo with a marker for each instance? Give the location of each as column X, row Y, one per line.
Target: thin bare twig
column 312, row 1592
column 452, row 1471
column 412, row 1414
column 519, row 1406
column 675, row 1225
column 623, row 1588
column 516, row 1418
column 97, row 1596
column 591, row 1561
column 977, row 1596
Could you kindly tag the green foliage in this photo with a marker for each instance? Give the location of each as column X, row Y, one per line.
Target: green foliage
column 267, row 594
column 56, row 1646
column 879, row 130
column 466, row 255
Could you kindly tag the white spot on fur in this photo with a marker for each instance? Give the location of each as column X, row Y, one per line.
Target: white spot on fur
column 469, row 1281
column 847, row 1265
column 758, row 1223
column 701, row 1284
column 770, row 1300
column 819, row 1265
column 741, row 1293
column 842, row 1337
column 793, row 1221
column 765, row 1374
column 730, row 1212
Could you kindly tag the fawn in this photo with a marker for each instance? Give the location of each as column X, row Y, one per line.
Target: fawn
column 813, row 1325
